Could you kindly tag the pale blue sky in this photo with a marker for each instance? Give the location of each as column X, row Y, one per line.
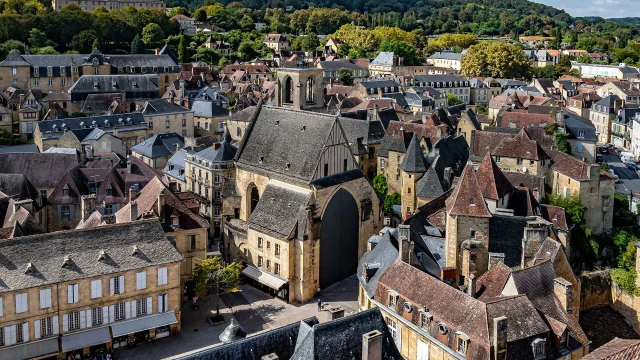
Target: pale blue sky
column 602, row 8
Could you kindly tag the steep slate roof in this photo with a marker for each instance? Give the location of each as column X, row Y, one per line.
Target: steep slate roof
column 129, row 119
column 556, row 215
column 466, row 198
column 130, row 84
column 42, row 170
column 223, row 153
column 341, row 339
column 376, row 262
column 280, row 136
column 204, row 108
column 490, row 284
column 46, row 253
column 520, row 146
column 160, row 145
column 523, row 119
column 384, row 58
column 616, row 349
column 398, row 136
column 576, row 125
column 147, row 201
column 277, row 211
column 14, row 59
column 244, row 115
column 370, row 132
column 570, row 166
column 162, row 106
column 492, row 181
column 18, row 187
column 414, row 161
column 338, row 64
column 446, row 56
column 602, row 324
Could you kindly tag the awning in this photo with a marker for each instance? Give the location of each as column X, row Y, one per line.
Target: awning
column 31, row 349
column 80, row 339
column 143, row 323
column 265, row 278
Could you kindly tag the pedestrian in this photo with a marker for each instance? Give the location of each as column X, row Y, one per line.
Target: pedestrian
column 319, row 305
column 195, row 299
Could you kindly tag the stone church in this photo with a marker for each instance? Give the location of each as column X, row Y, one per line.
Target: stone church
column 304, row 208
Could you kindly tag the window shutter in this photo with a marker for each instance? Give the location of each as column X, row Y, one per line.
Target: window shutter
column 160, row 276
column 36, row 329
column 25, row 302
column 99, row 288
column 48, row 297
column 89, row 318
column 159, row 306
column 83, row 320
column 13, row 334
column 399, row 337
column 59, row 212
column 76, row 298
column 7, row 335
column 127, row 310
column 1, row 307
column 65, row 322
column 56, row 326
column 144, row 280
column 121, row 284
column 43, row 299
column 149, row 305
column 112, row 313
column 70, row 294
column 138, row 281
column 105, row 315
column 71, row 211
column 25, row 331
column 134, row 309
column 112, row 290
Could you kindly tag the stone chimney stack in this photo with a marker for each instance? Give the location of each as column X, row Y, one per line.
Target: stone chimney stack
column 471, row 286
column 128, row 166
column 88, row 204
column 563, row 290
column 500, row 338
column 404, row 242
column 133, row 211
column 133, row 193
column 83, row 154
column 161, row 206
column 372, row 345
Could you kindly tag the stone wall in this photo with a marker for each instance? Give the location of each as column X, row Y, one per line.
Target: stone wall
column 596, row 289
column 627, row 305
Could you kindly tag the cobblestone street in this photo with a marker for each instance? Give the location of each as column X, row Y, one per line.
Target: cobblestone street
column 255, row 310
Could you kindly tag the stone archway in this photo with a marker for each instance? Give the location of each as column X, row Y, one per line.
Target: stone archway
column 339, row 237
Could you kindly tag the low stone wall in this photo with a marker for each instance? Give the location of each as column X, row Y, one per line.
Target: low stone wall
column 628, row 305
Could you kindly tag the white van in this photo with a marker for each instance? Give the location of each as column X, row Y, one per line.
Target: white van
column 627, row 157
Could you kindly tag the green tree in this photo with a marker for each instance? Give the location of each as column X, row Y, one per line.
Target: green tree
column 183, row 51
column 481, row 109
column 562, row 143
column 380, row 184
column 343, row 50
column 309, row 42
column 402, row 49
column 246, row 23
column 247, row 50
column 453, row 100
column 212, row 277
column 46, row 50
column 200, row 15
column 96, row 44
column 495, row 59
column 345, row 76
column 152, row 35
column 83, row 41
column 38, row 39
column 207, row 55
column 136, row 45
column 389, row 201
column 6, row 138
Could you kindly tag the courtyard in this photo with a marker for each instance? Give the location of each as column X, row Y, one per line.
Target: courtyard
column 253, row 309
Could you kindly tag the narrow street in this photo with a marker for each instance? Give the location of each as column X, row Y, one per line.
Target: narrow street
column 629, row 179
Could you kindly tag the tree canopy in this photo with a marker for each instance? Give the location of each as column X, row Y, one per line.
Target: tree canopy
column 495, row 59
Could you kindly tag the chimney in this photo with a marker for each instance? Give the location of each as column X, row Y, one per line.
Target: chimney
column 115, row 131
column 216, row 146
column 133, row 193
column 471, row 286
column 161, row 206
column 594, row 172
column 405, row 244
column 83, row 155
column 372, row 345
column 88, row 204
column 500, row 338
column 133, row 212
column 563, row 289
column 156, row 51
column 128, row 166
column 560, row 119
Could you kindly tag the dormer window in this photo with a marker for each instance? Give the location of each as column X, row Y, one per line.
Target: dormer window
column 175, row 221
column 393, row 300
column 65, row 191
column 425, row 319
column 109, row 192
column 462, row 342
column 538, row 347
column 472, row 201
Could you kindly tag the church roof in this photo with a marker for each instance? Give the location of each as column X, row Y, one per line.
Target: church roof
column 492, row 181
column 414, row 161
column 467, row 197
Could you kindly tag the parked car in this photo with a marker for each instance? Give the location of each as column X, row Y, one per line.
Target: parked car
column 604, row 149
column 616, row 152
column 599, row 159
column 632, row 166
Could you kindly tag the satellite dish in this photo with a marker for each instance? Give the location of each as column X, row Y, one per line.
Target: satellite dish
column 408, row 307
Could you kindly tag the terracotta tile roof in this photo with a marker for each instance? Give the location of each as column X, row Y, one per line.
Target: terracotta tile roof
column 556, row 215
column 616, row 349
column 492, row 181
column 491, row 283
column 570, row 166
column 603, row 324
column 435, row 210
column 467, row 196
column 520, row 146
column 521, row 120
column 147, row 202
column 339, row 89
column 484, row 142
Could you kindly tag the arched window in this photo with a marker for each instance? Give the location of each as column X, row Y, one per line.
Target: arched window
column 309, row 90
column 288, row 90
